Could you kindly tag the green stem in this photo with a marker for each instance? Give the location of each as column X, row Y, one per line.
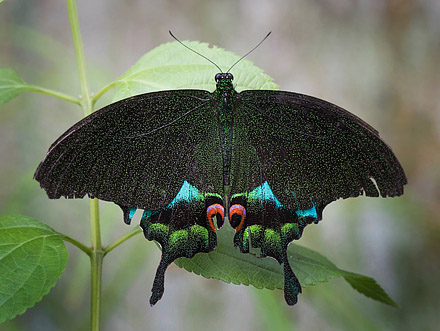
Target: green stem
column 96, row 276
column 119, row 241
column 78, row 244
column 34, row 88
column 97, row 253
column 101, row 92
column 86, row 103
column 96, row 259
column 95, row 227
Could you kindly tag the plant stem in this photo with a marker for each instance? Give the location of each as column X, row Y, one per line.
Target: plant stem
column 34, row 88
column 96, row 259
column 96, row 276
column 86, row 103
column 101, row 92
column 78, row 244
column 97, row 253
column 95, row 227
column 116, row 243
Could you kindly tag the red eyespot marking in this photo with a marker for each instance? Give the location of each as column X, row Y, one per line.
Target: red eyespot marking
column 240, row 211
column 213, row 210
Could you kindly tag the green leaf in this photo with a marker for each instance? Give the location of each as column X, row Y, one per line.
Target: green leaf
column 11, row 85
column 368, row 287
column 228, row 264
column 171, row 66
column 32, row 258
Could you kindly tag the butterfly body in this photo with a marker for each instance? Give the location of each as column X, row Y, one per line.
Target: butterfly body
column 224, row 97
column 266, row 161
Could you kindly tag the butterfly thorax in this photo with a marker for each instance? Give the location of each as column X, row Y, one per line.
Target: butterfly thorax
column 224, row 98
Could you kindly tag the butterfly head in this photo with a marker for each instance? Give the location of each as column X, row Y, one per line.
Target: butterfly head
column 224, row 80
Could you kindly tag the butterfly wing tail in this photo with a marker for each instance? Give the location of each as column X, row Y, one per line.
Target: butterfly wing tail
column 292, row 287
column 159, row 282
column 183, row 229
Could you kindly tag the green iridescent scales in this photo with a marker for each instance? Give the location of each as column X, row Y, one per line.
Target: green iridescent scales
column 270, row 227
column 137, row 152
column 182, row 230
column 280, row 156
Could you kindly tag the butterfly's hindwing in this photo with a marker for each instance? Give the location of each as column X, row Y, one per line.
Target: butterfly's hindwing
column 183, row 228
column 269, row 226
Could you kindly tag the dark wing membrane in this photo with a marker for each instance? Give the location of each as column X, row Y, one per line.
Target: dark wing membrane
column 313, row 152
column 136, row 152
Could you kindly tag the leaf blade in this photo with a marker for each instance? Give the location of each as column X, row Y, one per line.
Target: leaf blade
column 11, row 85
column 32, row 258
column 171, row 66
column 369, row 287
column 228, row 264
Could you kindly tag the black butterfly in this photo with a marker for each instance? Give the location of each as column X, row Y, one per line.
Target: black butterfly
column 269, row 161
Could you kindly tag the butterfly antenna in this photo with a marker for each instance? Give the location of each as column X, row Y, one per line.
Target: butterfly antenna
column 253, row 49
column 195, row 51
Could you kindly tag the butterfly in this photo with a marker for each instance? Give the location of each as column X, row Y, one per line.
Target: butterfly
column 267, row 161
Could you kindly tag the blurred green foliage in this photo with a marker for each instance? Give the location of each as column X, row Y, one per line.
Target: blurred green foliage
column 378, row 59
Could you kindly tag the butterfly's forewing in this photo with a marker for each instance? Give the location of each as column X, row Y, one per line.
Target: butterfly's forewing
column 143, row 152
column 137, row 152
column 312, row 152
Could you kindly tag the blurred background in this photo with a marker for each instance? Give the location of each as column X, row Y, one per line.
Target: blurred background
column 377, row 58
